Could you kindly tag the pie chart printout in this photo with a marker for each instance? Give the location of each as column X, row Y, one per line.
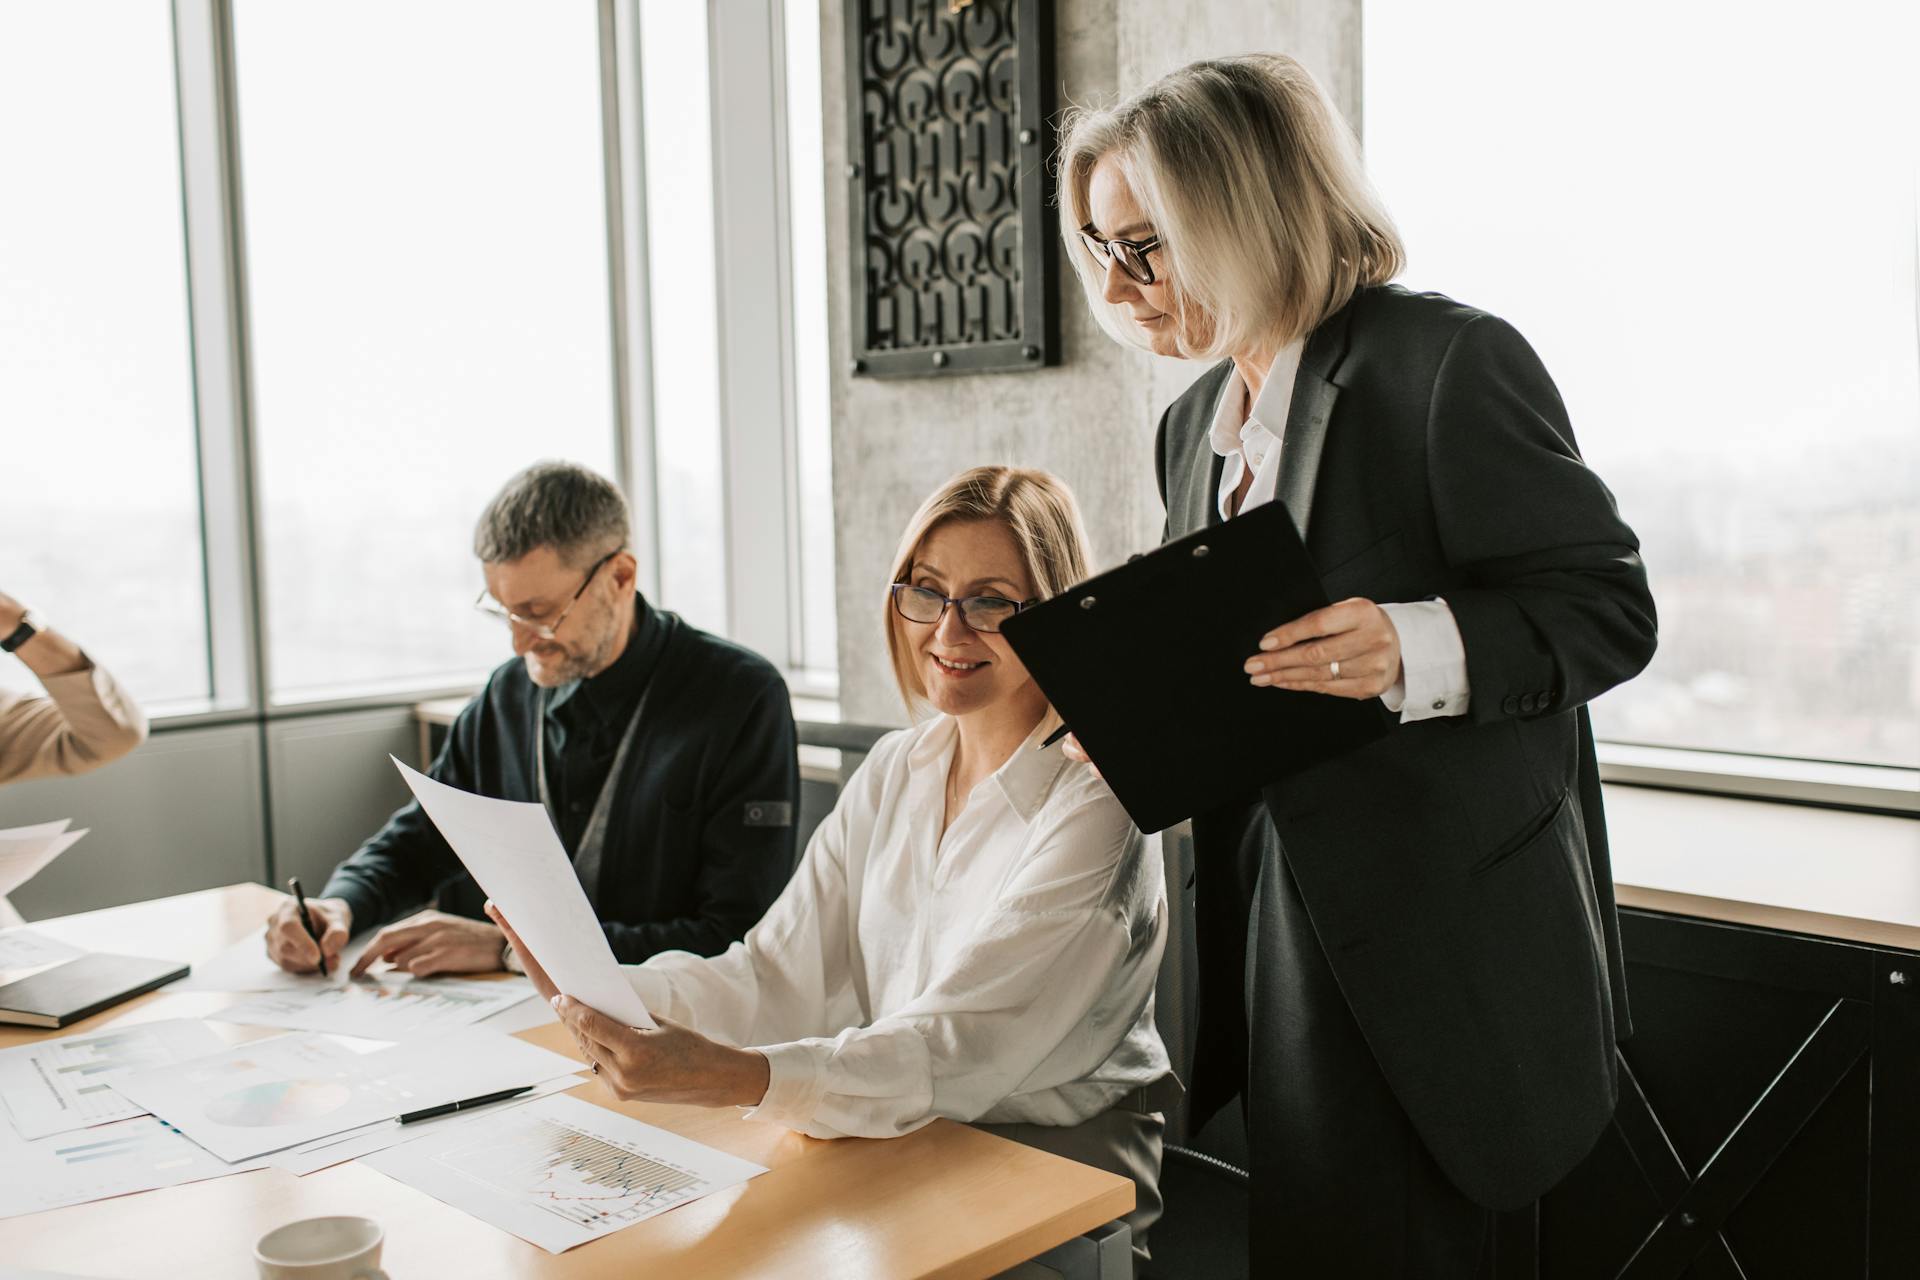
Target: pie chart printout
column 278, row 1102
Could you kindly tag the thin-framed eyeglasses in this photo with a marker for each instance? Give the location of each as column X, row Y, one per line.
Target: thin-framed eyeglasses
column 545, row 630
column 983, row 613
column 1130, row 254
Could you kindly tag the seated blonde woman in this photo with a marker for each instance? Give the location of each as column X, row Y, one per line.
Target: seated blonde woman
column 975, row 929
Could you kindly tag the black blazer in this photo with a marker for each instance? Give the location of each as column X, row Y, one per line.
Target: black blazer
column 1456, row 870
column 700, row 837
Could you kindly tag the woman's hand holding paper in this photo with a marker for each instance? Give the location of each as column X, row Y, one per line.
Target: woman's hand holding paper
column 672, row 1063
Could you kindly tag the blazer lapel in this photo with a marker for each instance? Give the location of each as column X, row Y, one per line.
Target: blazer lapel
column 1314, row 393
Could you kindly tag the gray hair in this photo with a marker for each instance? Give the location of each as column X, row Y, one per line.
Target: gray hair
column 562, row 505
column 1254, row 184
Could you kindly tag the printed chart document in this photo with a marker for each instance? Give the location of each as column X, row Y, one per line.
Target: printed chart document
column 22, row 948
column 272, row 1094
column 244, row 966
column 561, row 1172
column 324, row 1153
column 55, row 1086
column 513, row 853
column 391, row 1008
column 25, row 850
column 110, row 1160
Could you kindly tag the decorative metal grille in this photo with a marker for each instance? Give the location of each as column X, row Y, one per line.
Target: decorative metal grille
column 949, row 142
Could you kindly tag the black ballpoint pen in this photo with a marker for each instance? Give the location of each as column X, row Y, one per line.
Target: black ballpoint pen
column 448, row 1108
column 306, row 918
column 1052, row 738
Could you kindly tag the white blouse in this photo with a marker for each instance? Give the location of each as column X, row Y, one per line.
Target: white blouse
column 1001, row 972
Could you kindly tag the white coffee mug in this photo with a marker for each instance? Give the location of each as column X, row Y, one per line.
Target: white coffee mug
column 321, row 1249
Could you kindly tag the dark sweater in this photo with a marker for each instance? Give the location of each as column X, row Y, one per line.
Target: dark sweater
column 700, row 835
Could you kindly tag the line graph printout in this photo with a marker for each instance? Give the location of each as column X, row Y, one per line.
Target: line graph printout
column 387, row 1009
column 561, row 1172
column 56, row 1086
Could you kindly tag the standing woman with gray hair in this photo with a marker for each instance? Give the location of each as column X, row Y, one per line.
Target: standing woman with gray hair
column 1410, row 960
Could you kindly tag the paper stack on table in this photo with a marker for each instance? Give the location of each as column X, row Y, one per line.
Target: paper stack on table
column 24, row 851
column 268, row 1095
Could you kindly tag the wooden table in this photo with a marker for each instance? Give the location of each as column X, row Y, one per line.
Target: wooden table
column 946, row 1201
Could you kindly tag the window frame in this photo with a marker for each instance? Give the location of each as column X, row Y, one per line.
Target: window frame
column 760, row 485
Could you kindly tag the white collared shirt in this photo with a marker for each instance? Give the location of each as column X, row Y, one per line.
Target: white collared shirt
column 1001, row 972
column 1433, row 658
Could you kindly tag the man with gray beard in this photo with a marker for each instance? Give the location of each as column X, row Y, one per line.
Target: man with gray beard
column 664, row 755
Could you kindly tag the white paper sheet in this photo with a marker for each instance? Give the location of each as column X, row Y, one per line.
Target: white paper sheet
column 244, row 966
column 512, row 852
column 25, row 851
column 56, row 1086
column 92, row 1164
column 25, row 949
column 273, row 1094
column 389, row 1009
column 561, row 1172
column 324, row 1153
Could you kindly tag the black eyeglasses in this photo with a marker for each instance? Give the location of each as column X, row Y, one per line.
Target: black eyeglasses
column 982, row 613
column 1130, row 254
column 545, row 630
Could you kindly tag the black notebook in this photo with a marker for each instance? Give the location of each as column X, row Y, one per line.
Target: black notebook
column 80, row 988
column 1144, row 663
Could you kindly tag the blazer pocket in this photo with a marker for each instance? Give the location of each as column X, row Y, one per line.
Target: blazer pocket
column 1343, row 579
column 1533, row 833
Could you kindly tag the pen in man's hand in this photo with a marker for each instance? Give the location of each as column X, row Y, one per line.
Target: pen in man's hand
column 306, row 918
column 1052, row 738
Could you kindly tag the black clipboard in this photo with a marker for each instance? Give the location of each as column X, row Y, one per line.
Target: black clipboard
column 1144, row 663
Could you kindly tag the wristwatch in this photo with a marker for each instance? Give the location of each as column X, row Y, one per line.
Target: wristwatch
column 31, row 625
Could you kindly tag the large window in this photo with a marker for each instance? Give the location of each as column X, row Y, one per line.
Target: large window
column 292, row 286
column 99, row 482
column 1705, row 222
column 427, row 273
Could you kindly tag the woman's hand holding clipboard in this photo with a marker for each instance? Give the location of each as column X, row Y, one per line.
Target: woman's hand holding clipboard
column 1148, row 664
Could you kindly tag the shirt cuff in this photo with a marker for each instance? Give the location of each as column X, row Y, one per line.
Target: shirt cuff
column 795, row 1084
column 1433, row 662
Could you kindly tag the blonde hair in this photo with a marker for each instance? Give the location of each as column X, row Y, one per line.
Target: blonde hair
column 1035, row 507
column 1254, row 184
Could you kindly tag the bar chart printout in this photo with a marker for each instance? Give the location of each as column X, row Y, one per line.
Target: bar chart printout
column 109, row 1160
column 560, row 1172
column 55, row 1086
